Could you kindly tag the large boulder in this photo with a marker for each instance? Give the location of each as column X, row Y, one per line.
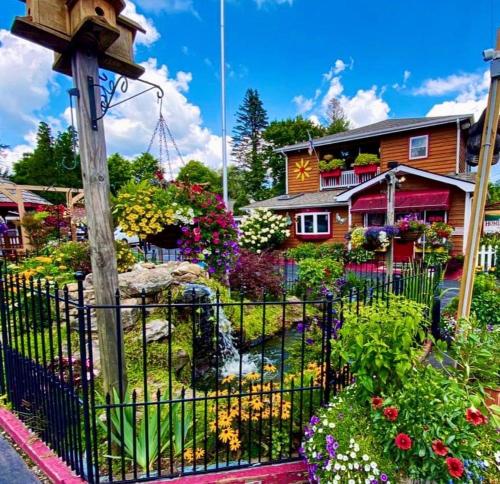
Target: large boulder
column 157, row 329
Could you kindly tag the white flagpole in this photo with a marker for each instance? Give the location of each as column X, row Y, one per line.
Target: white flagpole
column 225, row 193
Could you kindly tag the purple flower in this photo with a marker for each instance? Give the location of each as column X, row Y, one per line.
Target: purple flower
column 314, row 420
column 384, row 478
column 489, row 327
column 309, row 341
column 300, row 450
column 300, row 327
column 308, row 432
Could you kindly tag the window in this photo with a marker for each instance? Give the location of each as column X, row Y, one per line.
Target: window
column 313, row 223
column 419, row 147
column 374, row 219
column 435, row 216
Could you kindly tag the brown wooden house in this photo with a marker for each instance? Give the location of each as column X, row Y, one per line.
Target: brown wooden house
column 428, row 152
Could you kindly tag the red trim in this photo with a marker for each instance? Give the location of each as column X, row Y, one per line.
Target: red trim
column 26, row 205
column 313, row 236
column 332, row 173
column 37, row 451
column 405, row 200
column 290, row 473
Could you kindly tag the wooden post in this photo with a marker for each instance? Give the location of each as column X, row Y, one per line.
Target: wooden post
column 25, row 240
column 391, row 191
column 480, row 192
column 97, row 196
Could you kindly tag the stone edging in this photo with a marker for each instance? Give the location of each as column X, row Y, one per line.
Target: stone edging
column 53, row 467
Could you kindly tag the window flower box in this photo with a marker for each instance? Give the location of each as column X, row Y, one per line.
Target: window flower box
column 365, row 170
column 335, row 173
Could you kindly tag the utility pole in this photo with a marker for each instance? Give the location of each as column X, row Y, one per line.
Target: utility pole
column 482, row 178
column 391, row 180
column 95, row 176
column 225, row 192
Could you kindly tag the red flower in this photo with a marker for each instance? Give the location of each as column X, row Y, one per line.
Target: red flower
column 377, row 402
column 403, row 442
column 455, row 467
column 391, row 413
column 439, row 448
column 475, row 417
column 197, row 189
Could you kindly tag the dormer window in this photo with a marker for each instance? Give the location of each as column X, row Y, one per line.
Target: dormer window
column 419, row 147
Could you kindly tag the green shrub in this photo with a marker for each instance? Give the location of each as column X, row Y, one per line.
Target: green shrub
column 333, row 164
column 364, row 159
column 316, row 276
column 380, row 342
column 309, row 250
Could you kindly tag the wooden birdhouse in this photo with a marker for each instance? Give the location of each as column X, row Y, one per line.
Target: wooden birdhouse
column 46, row 23
column 80, row 10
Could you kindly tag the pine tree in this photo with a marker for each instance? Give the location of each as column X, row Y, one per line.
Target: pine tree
column 336, row 118
column 248, row 143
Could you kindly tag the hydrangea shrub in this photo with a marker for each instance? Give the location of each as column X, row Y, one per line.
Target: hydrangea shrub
column 263, row 229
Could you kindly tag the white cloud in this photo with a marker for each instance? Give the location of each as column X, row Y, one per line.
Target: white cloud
column 185, row 50
column 130, row 126
column 470, row 92
column 151, row 35
column 448, row 85
column 406, row 77
column 303, row 104
column 25, row 84
column 365, row 107
column 264, row 3
column 337, row 68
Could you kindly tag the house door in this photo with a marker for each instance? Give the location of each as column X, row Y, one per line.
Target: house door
column 403, row 251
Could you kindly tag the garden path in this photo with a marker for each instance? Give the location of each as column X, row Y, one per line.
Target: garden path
column 13, row 469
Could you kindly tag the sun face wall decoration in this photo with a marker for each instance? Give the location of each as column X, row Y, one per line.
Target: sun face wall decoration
column 302, row 169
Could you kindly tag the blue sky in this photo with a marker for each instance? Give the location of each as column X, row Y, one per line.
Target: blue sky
column 380, row 59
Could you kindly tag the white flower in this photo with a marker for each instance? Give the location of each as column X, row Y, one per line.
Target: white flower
column 373, row 465
column 352, row 441
column 325, row 422
column 344, row 468
column 365, row 458
column 356, row 466
column 353, row 455
column 356, row 448
column 351, row 481
column 336, row 466
column 350, row 466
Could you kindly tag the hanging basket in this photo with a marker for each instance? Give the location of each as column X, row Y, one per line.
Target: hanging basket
column 167, row 238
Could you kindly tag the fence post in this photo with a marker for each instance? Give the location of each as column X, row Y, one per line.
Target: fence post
column 82, row 332
column 4, row 380
column 436, row 317
column 328, row 347
column 397, row 284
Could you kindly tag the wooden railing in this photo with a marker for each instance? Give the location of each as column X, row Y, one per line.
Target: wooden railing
column 347, row 179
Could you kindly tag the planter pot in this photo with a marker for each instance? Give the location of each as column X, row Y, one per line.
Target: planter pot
column 493, row 397
column 167, row 238
column 332, row 173
column 410, row 236
column 365, row 170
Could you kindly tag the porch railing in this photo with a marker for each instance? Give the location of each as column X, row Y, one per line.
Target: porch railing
column 347, row 179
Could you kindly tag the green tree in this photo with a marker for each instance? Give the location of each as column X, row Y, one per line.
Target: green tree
column 494, row 192
column 336, row 118
column 235, row 185
column 248, row 143
column 120, row 172
column 196, row 172
column 282, row 133
column 52, row 163
column 144, row 167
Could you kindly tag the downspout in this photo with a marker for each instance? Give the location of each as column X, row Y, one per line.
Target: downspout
column 459, row 133
column 467, row 215
column 286, row 171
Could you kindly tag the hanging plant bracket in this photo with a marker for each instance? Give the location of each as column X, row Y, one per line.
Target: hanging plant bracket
column 108, row 92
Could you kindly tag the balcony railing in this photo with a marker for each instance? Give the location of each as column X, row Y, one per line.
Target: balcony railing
column 347, row 179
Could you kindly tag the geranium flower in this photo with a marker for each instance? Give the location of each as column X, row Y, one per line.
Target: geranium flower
column 391, row 413
column 403, row 441
column 377, row 402
column 475, row 417
column 455, row 467
column 439, row 448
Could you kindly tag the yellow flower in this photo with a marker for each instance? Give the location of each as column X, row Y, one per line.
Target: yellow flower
column 257, row 404
column 270, row 368
column 63, row 268
column 234, row 444
column 252, row 376
column 188, row 455
column 213, row 426
column 39, row 269
column 225, row 435
column 200, row 453
column 45, row 260
column 228, row 379
column 224, row 420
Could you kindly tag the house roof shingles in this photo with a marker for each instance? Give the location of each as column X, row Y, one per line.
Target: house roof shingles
column 326, row 198
column 387, row 126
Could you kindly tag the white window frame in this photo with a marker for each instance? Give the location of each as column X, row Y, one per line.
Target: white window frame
column 315, row 215
column 426, row 136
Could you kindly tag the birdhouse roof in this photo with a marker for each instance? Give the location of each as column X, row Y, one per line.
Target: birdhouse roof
column 130, row 23
column 118, row 5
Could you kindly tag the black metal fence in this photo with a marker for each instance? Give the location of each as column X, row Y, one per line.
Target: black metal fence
column 213, row 383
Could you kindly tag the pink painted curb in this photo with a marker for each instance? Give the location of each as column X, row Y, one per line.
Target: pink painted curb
column 37, row 451
column 290, row 473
